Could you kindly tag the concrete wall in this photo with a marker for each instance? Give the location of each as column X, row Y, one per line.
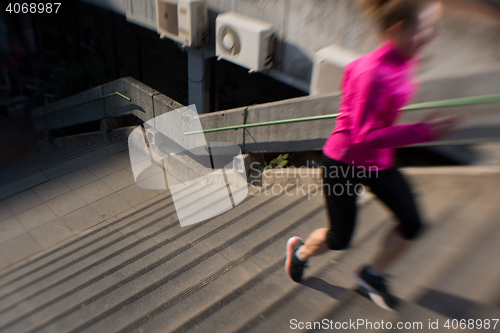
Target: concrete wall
column 141, row 12
column 470, row 39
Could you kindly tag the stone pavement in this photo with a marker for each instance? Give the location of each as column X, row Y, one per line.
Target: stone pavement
column 63, row 207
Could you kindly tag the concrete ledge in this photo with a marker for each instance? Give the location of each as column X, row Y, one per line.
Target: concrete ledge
column 301, row 176
column 74, row 115
column 85, row 139
column 144, row 101
column 285, row 176
column 163, row 104
column 297, row 180
column 232, row 117
column 187, row 165
column 141, row 105
column 470, row 170
column 287, row 137
column 459, row 85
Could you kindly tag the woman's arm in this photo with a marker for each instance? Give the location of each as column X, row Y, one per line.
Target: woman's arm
column 367, row 105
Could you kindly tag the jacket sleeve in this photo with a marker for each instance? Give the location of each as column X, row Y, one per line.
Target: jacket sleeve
column 368, row 101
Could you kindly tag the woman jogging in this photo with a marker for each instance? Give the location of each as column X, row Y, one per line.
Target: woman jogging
column 374, row 88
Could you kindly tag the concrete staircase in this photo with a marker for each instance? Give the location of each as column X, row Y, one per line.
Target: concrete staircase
column 84, row 249
column 138, row 271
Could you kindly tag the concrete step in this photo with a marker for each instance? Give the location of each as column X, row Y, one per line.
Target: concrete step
column 203, row 237
column 463, row 290
column 423, row 319
column 248, row 307
column 428, row 259
column 332, row 285
column 141, row 272
column 113, row 227
column 90, row 265
column 100, row 237
column 467, row 219
column 141, row 231
column 177, row 302
column 165, row 272
column 131, row 230
column 269, row 290
column 85, row 239
column 474, row 277
column 258, row 244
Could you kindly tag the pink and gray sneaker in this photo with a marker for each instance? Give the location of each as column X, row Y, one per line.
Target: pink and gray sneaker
column 294, row 267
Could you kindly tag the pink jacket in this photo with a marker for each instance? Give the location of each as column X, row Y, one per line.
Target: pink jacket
column 374, row 88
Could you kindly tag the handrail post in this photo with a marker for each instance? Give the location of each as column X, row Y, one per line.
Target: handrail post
column 245, row 110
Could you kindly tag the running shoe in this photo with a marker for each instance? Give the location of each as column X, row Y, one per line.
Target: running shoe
column 377, row 289
column 294, row 267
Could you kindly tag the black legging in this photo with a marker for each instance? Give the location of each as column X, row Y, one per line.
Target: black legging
column 340, row 185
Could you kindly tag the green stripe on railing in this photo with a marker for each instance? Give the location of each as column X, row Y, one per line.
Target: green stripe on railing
column 276, row 122
column 418, row 106
column 83, row 103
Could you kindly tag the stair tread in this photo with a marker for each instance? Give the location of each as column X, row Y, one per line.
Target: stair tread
column 276, row 203
column 343, row 280
column 252, row 301
column 226, row 274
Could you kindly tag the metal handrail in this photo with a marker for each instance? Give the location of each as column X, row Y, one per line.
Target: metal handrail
column 83, row 103
column 276, row 122
column 418, row 106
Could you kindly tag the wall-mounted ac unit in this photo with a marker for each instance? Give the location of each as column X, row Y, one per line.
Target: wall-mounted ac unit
column 185, row 21
column 245, row 41
column 328, row 67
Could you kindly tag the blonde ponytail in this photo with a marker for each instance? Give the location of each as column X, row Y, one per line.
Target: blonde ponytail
column 373, row 6
column 389, row 12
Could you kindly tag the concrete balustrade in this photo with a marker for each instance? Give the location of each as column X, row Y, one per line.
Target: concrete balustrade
column 483, row 122
column 142, row 105
column 75, row 115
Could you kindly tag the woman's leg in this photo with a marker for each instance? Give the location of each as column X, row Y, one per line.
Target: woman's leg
column 393, row 246
column 314, row 245
column 341, row 206
column 394, row 191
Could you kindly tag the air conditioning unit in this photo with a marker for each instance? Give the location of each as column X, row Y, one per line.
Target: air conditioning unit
column 245, row 41
column 185, row 21
column 328, row 67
